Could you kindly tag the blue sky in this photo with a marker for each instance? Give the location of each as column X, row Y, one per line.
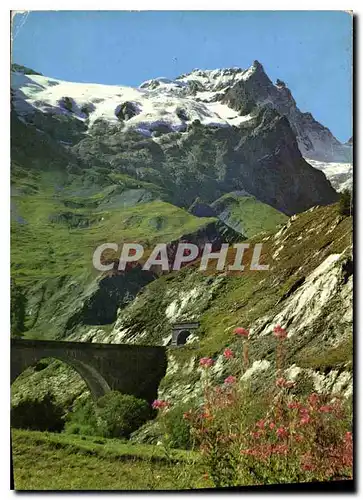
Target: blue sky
column 311, row 51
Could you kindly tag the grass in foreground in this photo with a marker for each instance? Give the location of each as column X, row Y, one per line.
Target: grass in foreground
column 48, row 461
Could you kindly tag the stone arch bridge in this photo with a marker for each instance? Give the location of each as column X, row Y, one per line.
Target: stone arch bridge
column 130, row 369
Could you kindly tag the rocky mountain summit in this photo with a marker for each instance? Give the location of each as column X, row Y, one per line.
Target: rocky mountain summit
column 226, row 130
column 218, row 98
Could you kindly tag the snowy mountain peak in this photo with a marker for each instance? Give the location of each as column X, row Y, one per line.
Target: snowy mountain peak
column 159, row 82
column 221, row 78
column 222, row 97
column 212, row 80
column 212, row 74
column 256, row 67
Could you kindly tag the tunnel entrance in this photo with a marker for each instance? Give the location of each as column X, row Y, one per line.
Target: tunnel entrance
column 181, row 332
column 182, row 337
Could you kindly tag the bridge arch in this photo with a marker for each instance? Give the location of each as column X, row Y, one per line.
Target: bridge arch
column 130, row 369
column 96, row 384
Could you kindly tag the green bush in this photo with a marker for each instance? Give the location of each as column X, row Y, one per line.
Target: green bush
column 118, row 415
column 345, row 203
column 79, row 429
column 18, row 306
column 82, row 419
column 38, row 414
column 114, row 415
column 177, row 428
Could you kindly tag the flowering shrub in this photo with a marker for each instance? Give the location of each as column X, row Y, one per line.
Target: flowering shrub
column 228, row 353
column 206, row 362
column 299, row 440
column 159, row 403
column 291, row 439
column 242, row 332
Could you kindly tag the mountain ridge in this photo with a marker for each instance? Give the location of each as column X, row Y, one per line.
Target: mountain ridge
column 220, row 98
column 200, row 82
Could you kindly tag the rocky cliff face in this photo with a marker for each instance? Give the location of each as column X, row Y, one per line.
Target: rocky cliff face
column 262, row 159
column 308, row 290
column 315, row 141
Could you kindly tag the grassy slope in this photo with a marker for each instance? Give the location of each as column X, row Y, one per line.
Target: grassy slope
column 43, row 246
column 47, row 461
column 230, row 300
column 249, row 213
column 58, row 222
column 243, row 298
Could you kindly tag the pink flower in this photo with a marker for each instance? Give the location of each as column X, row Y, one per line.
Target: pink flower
column 281, row 432
column 325, row 409
column 304, row 411
column 348, row 436
column 159, row 404
column 280, row 382
column 280, row 332
column 313, row 399
column 242, row 332
column 293, row 405
column 305, row 420
column 260, row 424
column 206, row 362
column 230, row 380
column 272, row 425
column 228, row 353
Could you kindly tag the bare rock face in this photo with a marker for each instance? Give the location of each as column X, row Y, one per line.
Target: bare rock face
column 126, row 111
column 200, row 209
column 273, row 170
column 314, row 140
